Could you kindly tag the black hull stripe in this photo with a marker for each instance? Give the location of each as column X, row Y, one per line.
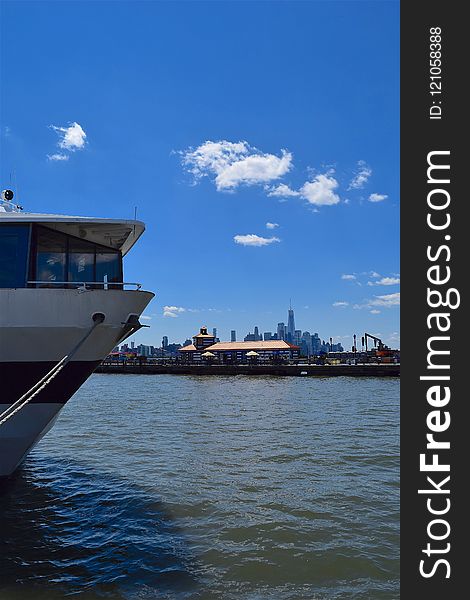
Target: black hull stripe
column 16, row 378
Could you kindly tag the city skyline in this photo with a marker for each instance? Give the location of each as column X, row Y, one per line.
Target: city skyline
column 257, row 183
column 308, row 339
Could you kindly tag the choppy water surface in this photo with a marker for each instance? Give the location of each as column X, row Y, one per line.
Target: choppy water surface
column 212, row 487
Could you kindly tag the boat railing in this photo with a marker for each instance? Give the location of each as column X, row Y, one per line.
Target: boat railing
column 86, row 285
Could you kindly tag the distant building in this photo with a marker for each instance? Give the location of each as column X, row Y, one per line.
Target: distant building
column 164, row 342
column 187, row 342
column 172, row 349
column 290, row 325
column 267, row 335
column 238, row 352
column 281, row 331
column 233, row 336
column 306, row 344
column 214, row 332
column 201, row 342
column 143, row 350
column 253, row 337
column 297, row 337
column 316, row 344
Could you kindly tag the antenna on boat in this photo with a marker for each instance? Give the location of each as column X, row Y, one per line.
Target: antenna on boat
column 16, row 188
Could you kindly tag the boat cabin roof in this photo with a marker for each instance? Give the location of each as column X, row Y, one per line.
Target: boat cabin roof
column 113, row 233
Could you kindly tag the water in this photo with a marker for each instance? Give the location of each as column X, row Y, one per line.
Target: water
column 152, row 487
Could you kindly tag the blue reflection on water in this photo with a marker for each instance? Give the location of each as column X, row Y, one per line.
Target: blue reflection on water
column 66, row 531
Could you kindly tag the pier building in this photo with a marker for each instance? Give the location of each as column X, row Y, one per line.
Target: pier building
column 205, row 348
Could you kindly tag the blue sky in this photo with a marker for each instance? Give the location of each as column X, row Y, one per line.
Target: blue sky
column 214, row 119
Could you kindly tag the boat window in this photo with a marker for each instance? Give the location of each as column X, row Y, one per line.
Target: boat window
column 61, row 260
column 51, row 257
column 81, row 260
column 14, row 240
column 108, row 265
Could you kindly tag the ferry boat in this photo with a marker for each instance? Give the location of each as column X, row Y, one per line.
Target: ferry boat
column 64, row 305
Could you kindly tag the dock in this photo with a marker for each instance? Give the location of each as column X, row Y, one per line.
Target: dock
column 296, row 370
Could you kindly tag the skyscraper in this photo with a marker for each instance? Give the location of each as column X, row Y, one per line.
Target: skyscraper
column 214, row 331
column 290, row 325
column 165, row 341
column 281, row 331
column 316, row 344
column 233, row 336
column 306, row 343
column 257, row 335
column 297, row 337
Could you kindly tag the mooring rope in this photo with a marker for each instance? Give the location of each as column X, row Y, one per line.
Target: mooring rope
column 98, row 318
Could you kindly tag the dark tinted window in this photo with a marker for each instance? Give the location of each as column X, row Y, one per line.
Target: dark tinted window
column 14, row 240
column 62, row 259
column 81, row 260
column 108, row 266
column 51, row 257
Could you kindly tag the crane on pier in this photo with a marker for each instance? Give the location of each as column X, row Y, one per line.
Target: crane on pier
column 380, row 348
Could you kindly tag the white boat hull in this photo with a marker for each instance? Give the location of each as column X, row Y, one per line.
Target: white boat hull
column 38, row 327
column 21, row 433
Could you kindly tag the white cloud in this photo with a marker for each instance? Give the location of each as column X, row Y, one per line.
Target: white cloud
column 320, row 191
column 234, row 163
column 58, row 156
column 271, row 225
column 377, row 197
column 254, row 240
column 374, row 311
column 173, row 311
column 71, row 138
column 386, row 281
column 282, row 190
column 254, row 169
column 374, row 274
column 340, row 304
column 146, row 317
column 348, row 277
column 231, row 164
column 361, row 176
column 386, row 300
